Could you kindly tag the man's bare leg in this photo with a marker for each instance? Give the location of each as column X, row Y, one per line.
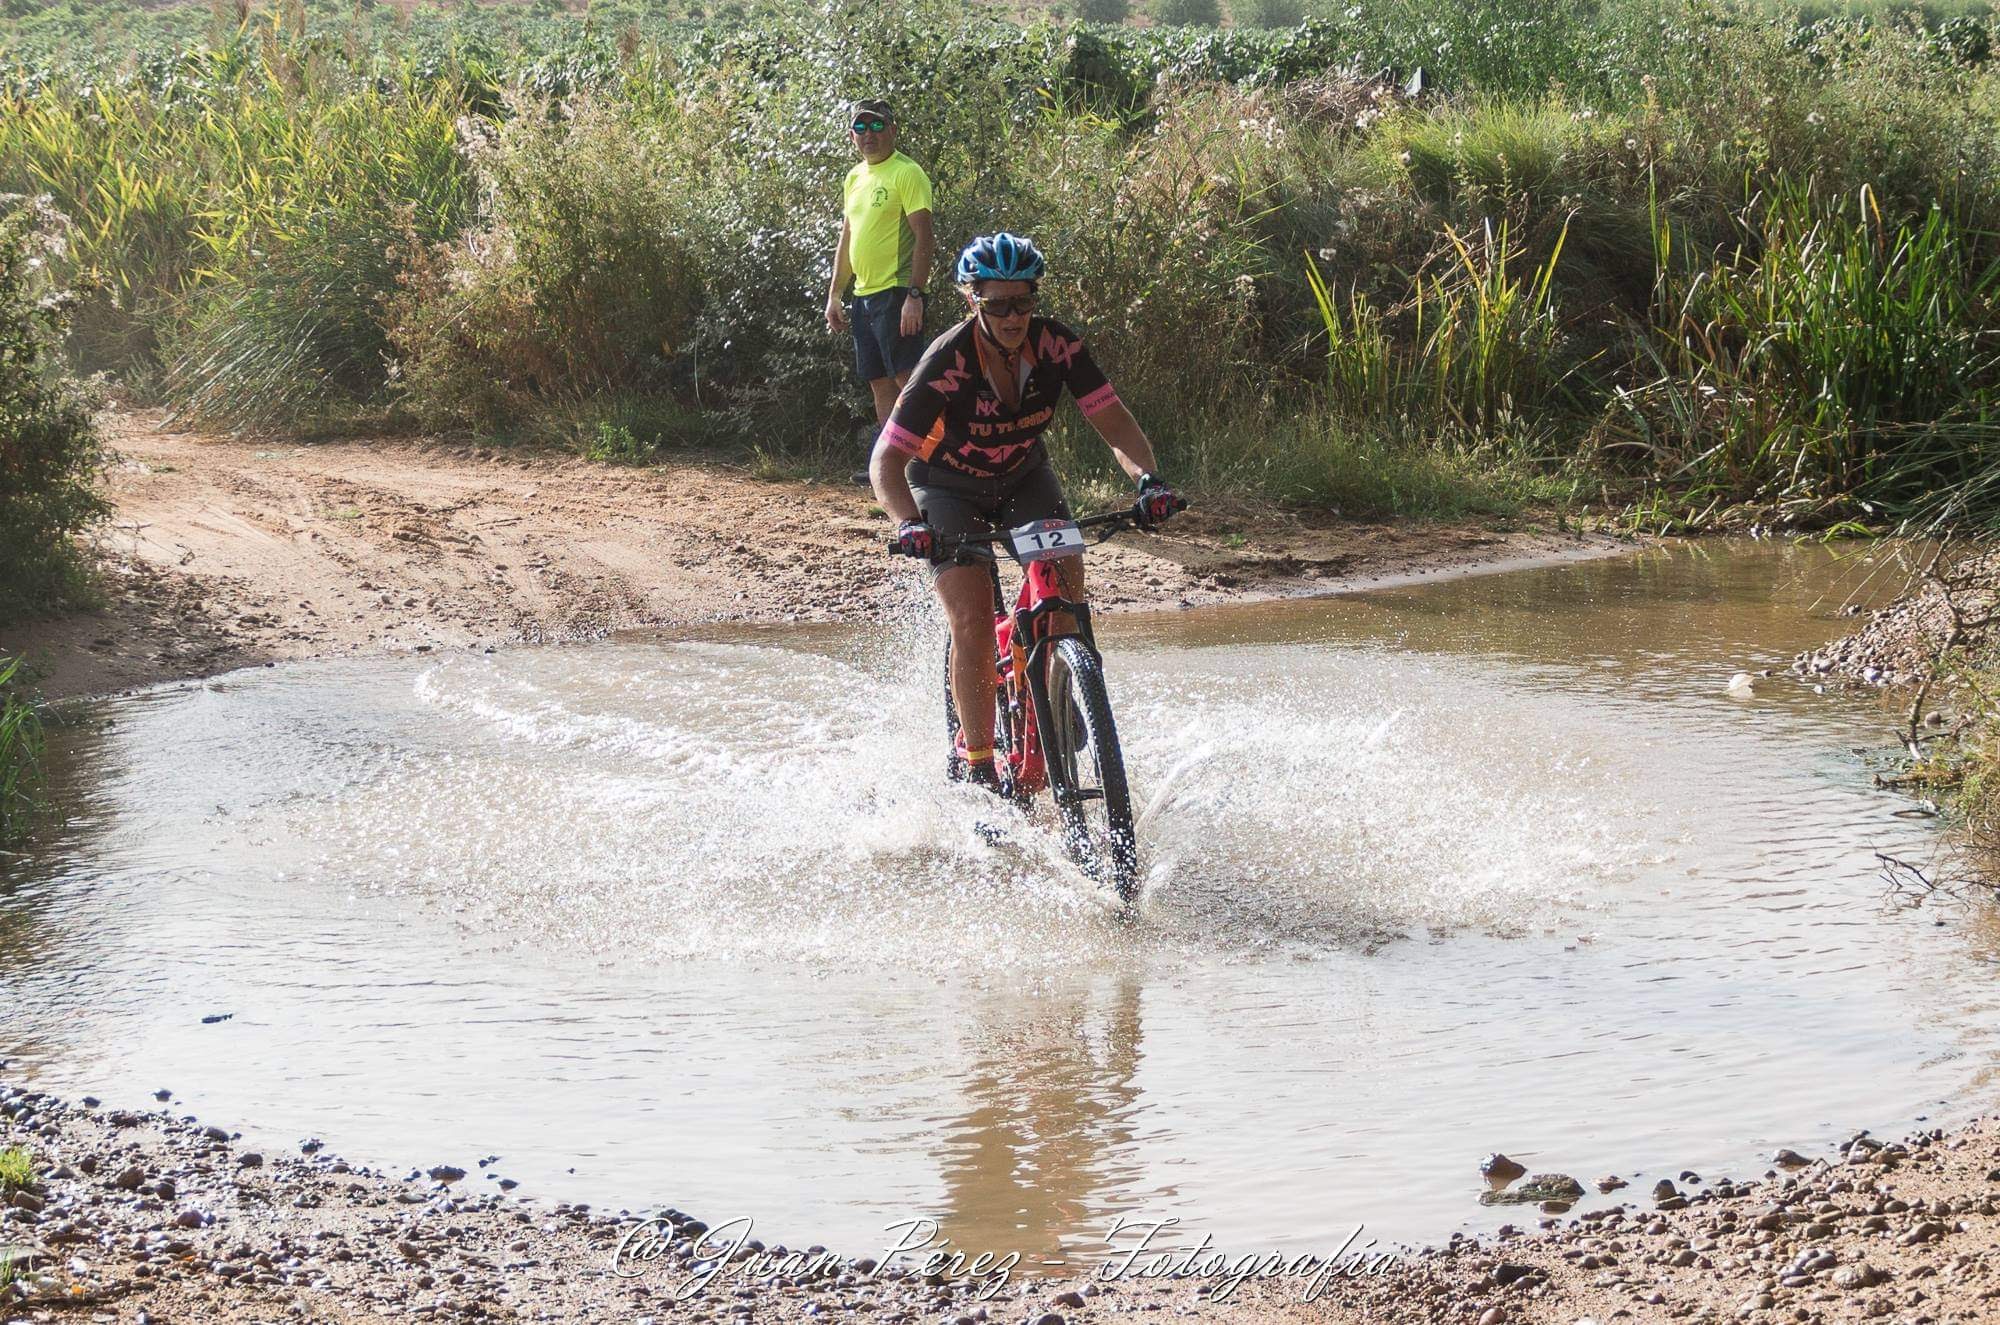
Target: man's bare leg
column 885, row 391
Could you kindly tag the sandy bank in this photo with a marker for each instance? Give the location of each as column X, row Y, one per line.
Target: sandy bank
column 226, row 552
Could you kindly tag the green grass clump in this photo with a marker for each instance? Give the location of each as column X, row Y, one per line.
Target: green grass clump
column 20, row 755
column 16, row 1168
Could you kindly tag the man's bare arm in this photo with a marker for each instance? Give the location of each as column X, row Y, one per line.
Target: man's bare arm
column 843, row 272
column 920, row 270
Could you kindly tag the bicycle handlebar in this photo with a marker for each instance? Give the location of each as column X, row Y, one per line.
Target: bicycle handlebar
column 944, row 549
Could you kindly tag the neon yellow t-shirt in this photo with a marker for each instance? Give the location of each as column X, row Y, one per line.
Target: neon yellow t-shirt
column 880, row 243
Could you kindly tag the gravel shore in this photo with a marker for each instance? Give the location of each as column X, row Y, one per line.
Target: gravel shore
column 1899, row 644
column 154, row 1217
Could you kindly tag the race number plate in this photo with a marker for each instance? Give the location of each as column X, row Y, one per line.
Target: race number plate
column 1046, row 538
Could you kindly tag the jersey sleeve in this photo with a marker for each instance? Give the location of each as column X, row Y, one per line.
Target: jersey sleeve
column 915, row 425
column 1086, row 381
column 916, row 190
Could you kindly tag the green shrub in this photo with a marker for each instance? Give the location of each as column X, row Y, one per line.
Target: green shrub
column 1104, row 11
column 1267, row 13
column 49, row 453
column 1186, row 13
column 583, row 278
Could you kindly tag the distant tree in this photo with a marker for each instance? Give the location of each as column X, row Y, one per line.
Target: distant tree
column 1104, row 11
column 1187, row 13
column 1267, row 13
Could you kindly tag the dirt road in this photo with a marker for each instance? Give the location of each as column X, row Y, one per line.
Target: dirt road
column 226, row 552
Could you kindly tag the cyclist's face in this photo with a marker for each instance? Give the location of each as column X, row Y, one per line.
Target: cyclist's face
column 1011, row 328
column 874, row 144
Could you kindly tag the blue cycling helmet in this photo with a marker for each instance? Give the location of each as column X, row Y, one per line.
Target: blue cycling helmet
column 1001, row 257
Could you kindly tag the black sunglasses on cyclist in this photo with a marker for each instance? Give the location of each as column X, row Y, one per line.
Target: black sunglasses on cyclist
column 870, row 126
column 998, row 307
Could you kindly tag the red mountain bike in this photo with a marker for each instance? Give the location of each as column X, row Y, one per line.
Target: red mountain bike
column 1052, row 725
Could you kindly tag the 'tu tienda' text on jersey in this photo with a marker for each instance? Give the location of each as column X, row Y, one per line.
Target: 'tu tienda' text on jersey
column 954, row 416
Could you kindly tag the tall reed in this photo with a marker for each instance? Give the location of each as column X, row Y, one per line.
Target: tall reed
column 20, row 756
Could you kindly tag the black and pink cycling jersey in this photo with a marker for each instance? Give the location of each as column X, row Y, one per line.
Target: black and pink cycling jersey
column 952, row 416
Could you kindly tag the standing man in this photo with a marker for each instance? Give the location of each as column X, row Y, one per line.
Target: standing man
column 885, row 249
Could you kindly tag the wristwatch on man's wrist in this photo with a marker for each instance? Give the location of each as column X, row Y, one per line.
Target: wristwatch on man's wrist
column 917, row 292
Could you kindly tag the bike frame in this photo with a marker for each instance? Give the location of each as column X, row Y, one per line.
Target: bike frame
column 1043, row 614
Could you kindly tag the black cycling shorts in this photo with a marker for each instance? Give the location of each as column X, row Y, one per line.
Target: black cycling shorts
column 955, row 505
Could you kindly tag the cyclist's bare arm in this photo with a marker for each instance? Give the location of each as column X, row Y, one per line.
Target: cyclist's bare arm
column 891, row 483
column 1121, row 432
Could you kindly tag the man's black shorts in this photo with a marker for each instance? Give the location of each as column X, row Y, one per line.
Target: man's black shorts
column 880, row 348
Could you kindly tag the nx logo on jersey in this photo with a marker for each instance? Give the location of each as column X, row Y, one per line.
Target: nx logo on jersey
column 986, row 406
column 1056, row 349
column 952, row 378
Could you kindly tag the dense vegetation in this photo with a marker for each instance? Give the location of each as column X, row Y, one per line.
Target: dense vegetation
column 20, row 760
column 48, row 445
column 1700, row 261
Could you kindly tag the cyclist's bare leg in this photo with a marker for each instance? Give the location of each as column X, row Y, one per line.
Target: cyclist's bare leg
column 967, row 595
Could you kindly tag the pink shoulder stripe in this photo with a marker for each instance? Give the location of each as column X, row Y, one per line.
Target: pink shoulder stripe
column 902, row 438
column 1099, row 400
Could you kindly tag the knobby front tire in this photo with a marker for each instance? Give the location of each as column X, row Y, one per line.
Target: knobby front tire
column 1087, row 769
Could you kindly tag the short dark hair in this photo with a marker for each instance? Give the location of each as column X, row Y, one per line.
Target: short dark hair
column 873, row 106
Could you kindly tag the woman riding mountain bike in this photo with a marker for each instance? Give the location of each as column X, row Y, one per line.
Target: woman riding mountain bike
column 962, row 454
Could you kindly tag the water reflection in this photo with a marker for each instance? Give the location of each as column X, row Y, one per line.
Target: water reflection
column 1039, row 1160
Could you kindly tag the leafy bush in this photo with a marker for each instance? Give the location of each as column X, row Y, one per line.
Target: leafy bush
column 1267, row 13
column 1104, row 11
column 1186, row 13
column 49, row 454
column 582, row 279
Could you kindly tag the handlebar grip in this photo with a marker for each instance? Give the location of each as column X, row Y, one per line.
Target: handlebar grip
column 895, row 548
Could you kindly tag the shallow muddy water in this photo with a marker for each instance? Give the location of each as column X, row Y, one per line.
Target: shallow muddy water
column 1486, row 864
